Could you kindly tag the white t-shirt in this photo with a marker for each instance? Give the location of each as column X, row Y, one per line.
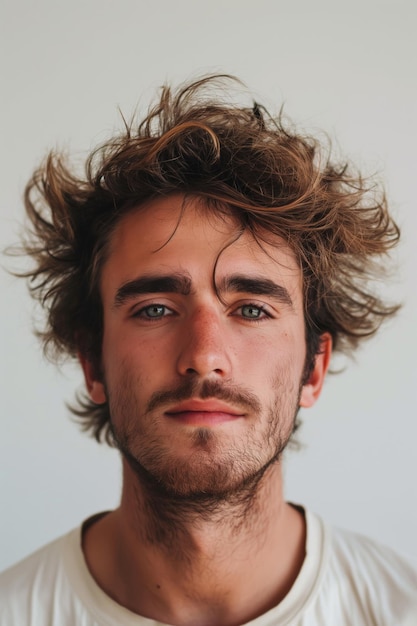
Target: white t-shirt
column 345, row 580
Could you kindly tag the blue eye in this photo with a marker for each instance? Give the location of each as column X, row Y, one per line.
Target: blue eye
column 154, row 311
column 251, row 311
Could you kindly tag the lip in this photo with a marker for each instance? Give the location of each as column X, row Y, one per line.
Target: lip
column 203, row 412
column 203, row 406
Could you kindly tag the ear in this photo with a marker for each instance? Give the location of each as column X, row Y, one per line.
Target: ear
column 312, row 388
column 95, row 386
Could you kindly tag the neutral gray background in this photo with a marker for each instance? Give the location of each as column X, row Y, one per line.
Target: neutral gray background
column 346, row 68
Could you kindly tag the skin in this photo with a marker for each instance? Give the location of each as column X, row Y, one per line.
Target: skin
column 204, row 376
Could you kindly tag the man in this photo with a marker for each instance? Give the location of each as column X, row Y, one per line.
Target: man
column 203, row 272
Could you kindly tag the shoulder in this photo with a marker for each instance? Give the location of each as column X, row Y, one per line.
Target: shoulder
column 371, row 579
column 369, row 559
column 54, row 587
column 34, row 567
column 28, row 589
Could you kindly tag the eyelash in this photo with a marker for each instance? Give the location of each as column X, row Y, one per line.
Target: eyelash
column 143, row 313
column 263, row 313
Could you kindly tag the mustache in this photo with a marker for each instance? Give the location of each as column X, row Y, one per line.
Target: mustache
column 189, row 389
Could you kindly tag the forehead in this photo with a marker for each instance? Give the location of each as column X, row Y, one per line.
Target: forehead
column 184, row 233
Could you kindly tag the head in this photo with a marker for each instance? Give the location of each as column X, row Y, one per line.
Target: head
column 275, row 183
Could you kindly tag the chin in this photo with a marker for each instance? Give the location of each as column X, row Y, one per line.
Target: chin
column 206, row 473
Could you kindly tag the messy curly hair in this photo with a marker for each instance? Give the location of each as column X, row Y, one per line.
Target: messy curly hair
column 275, row 180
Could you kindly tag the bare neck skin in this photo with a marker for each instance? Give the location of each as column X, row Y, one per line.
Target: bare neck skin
column 222, row 566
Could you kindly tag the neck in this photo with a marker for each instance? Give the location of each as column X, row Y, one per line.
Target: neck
column 165, row 519
column 185, row 561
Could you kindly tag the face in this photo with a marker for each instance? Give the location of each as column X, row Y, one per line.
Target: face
column 203, row 348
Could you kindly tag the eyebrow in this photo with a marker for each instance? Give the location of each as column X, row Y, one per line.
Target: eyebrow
column 182, row 284
column 255, row 285
column 173, row 283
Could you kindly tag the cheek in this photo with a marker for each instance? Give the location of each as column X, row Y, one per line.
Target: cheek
column 285, row 350
column 137, row 364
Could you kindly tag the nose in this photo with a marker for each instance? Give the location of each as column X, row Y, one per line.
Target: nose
column 203, row 346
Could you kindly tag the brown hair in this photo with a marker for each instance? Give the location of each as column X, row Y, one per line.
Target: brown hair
column 275, row 181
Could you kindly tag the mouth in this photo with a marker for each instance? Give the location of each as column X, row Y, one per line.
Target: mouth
column 203, row 412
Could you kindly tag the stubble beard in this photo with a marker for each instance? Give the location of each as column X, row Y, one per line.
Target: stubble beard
column 211, row 474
